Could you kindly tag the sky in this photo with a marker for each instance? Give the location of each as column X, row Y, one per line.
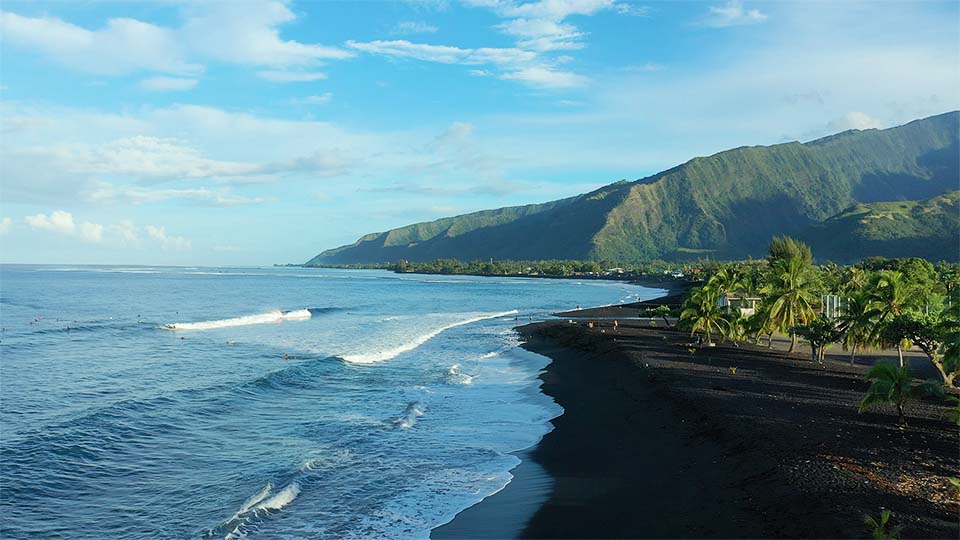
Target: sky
column 251, row 132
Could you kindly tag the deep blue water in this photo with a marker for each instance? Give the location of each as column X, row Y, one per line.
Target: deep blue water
column 157, row 403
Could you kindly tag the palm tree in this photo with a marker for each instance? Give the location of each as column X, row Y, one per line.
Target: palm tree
column 858, row 321
column 726, row 280
column 892, row 384
column 891, row 295
column 701, row 312
column 790, row 295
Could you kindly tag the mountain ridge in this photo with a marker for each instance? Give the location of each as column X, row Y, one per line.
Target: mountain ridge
column 725, row 205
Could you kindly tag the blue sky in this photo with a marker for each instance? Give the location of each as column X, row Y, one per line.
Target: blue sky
column 255, row 132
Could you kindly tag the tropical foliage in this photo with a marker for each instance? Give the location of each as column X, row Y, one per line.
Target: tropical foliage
column 894, row 385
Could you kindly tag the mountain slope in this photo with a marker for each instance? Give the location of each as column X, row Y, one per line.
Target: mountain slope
column 929, row 229
column 728, row 204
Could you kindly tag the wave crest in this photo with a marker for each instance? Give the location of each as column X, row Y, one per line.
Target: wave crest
column 271, row 317
column 387, row 354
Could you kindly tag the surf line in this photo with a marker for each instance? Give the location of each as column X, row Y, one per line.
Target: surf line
column 380, row 356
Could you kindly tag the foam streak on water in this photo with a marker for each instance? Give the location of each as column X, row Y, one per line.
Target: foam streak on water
column 378, row 420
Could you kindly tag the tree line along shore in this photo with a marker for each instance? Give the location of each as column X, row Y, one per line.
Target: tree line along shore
column 868, row 436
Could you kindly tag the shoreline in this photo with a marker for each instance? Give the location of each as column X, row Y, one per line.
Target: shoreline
column 656, row 442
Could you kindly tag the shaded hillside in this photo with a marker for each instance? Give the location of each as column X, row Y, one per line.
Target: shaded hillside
column 928, row 229
column 725, row 205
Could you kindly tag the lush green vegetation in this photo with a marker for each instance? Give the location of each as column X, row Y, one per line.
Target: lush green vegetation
column 878, row 303
column 927, row 229
column 725, row 206
column 545, row 268
column 892, row 384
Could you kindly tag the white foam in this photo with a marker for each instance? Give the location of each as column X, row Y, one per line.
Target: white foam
column 387, row 354
column 284, row 497
column 256, row 499
column 409, row 419
column 455, row 376
column 490, row 355
column 262, row 318
column 258, row 506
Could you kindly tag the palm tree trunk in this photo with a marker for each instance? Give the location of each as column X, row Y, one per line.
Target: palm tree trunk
column 900, row 353
column 793, row 342
column 770, row 340
column 853, row 353
column 901, row 418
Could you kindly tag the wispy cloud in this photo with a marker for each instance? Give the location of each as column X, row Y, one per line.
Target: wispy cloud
column 166, row 84
column 546, row 77
column 319, row 99
column 733, row 14
column 414, row 27
column 285, row 76
column 108, row 193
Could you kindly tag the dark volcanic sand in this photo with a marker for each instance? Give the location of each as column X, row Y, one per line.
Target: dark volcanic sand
column 656, row 442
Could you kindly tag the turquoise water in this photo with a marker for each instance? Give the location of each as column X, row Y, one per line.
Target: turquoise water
column 157, row 403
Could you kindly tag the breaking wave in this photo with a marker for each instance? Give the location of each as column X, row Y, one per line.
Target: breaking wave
column 262, row 504
column 387, row 354
column 246, row 320
column 456, row 376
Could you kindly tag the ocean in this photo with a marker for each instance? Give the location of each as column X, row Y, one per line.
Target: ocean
column 175, row 403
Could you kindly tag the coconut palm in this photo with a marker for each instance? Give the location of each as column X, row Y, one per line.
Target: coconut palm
column 726, row 280
column 892, row 294
column 892, row 384
column 701, row 312
column 858, row 321
column 790, row 298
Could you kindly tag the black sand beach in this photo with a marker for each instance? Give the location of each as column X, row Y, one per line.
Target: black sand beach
column 657, row 441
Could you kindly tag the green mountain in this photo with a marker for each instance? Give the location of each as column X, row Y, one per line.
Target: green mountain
column 929, row 229
column 727, row 205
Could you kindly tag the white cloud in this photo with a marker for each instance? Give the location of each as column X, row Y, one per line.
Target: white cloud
column 122, row 46
column 152, row 157
column 414, row 27
column 164, row 84
column 320, row 99
column 243, row 33
column 91, row 232
column 515, row 64
column 62, row 223
column 854, row 120
column 248, row 33
column 167, row 243
column 541, row 26
column 545, row 77
column 443, row 54
column 283, row 76
column 108, row 193
column 6, row 224
column 733, row 14
column 58, row 221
